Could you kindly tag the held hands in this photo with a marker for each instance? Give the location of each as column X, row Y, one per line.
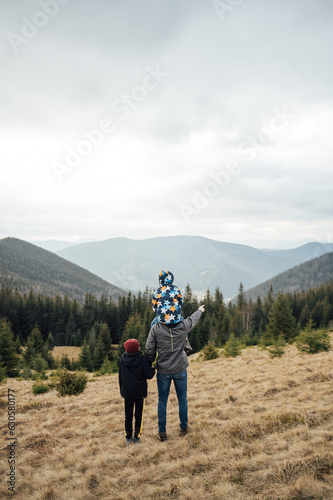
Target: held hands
column 201, row 308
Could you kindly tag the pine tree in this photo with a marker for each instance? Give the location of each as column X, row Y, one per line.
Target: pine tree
column 71, row 330
column 8, row 354
column 133, row 330
column 78, row 338
column 39, row 364
column 187, row 301
column 268, row 304
column 237, row 323
column 195, row 340
column 305, row 315
column 30, row 314
column 50, row 342
column 281, row 321
column 208, row 303
column 122, row 316
column 99, row 354
column 85, row 360
column 225, row 331
column 204, row 329
column 277, row 347
column 37, row 340
column 105, row 337
column 233, row 347
column 147, row 319
column 241, row 297
column 218, row 303
column 256, row 321
column 29, row 353
column 18, row 346
column 313, row 341
column 93, row 338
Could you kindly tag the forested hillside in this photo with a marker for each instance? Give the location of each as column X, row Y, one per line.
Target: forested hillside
column 72, row 323
column 311, row 274
column 27, row 266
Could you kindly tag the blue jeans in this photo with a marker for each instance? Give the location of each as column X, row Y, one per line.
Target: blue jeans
column 163, row 385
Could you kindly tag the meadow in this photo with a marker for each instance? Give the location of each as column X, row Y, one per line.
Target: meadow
column 259, row 428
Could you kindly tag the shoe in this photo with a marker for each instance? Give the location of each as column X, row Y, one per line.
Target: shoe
column 162, row 436
column 136, row 440
column 128, row 441
column 183, row 432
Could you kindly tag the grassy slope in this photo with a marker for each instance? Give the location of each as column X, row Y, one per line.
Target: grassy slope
column 259, row 429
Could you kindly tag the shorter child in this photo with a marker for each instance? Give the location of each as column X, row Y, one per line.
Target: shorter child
column 134, row 370
column 167, row 300
column 167, row 303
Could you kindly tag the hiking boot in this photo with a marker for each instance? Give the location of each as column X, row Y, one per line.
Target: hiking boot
column 162, row 436
column 128, row 441
column 136, row 440
column 183, row 432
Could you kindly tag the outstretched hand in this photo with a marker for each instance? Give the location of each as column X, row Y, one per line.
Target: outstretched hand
column 201, row 308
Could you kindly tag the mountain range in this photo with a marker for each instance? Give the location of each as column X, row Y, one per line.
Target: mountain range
column 28, row 266
column 201, row 262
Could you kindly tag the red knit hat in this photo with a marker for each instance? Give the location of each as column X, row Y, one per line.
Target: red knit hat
column 132, row 345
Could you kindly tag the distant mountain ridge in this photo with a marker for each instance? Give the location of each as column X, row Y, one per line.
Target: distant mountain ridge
column 52, row 245
column 310, row 274
column 28, row 266
column 202, row 262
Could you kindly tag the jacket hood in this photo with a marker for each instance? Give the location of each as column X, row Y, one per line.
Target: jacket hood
column 132, row 359
column 167, row 300
column 165, row 278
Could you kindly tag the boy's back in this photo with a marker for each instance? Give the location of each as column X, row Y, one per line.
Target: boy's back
column 134, row 370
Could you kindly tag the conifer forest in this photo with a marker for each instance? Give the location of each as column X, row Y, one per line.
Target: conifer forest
column 38, row 322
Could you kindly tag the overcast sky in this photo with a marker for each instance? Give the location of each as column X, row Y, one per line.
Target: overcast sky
column 156, row 118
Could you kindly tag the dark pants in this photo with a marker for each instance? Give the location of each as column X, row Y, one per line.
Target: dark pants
column 129, row 407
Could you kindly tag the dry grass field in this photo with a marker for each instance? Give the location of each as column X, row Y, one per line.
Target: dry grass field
column 71, row 352
column 260, row 428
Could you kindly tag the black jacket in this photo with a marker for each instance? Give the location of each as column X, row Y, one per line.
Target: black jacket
column 134, row 370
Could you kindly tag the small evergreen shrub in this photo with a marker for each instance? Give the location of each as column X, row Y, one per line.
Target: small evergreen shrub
column 108, row 367
column 232, row 347
column 39, row 376
column 210, row 351
column 40, row 388
column 276, row 350
column 65, row 362
column 39, row 364
column 313, row 341
column 26, row 373
column 71, row 383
